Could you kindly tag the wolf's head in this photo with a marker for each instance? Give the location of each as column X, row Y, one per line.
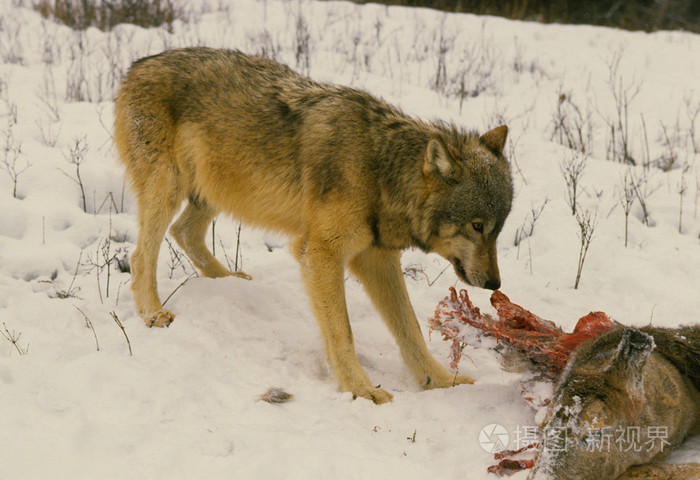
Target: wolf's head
column 470, row 194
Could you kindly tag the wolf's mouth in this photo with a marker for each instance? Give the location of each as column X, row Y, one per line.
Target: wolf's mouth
column 459, row 270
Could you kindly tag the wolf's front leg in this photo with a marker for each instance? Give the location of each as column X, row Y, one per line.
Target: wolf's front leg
column 322, row 269
column 379, row 270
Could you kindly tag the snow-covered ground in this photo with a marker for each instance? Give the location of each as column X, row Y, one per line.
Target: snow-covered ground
column 187, row 403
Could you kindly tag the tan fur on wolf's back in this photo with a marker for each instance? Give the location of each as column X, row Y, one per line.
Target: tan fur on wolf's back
column 351, row 179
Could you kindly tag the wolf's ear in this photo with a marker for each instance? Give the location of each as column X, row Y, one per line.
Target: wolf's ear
column 438, row 158
column 496, row 139
column 632, row 353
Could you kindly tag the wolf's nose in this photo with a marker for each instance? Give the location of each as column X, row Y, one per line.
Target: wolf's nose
column 492, row 284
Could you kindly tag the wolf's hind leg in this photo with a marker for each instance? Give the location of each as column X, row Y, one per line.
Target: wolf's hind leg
column 157, row 203
column 189, row 231
column 379, row 270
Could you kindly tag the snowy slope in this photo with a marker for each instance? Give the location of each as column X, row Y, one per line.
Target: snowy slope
column 187, row 404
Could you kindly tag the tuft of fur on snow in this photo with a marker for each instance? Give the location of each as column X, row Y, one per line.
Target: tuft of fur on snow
column 276, row 395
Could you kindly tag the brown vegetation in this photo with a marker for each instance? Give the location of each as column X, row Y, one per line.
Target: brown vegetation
column 105, row 14
column 647, row 15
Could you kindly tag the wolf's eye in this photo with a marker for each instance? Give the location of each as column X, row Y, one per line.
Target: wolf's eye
column 478, row 226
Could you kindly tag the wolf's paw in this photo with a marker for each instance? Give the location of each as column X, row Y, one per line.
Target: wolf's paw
column 241, row 274
column 161, row 318
column 377, row 395
column 446, row 380
column 461, row 380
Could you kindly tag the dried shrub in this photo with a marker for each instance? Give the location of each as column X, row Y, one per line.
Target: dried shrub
column 647, row 15
column 105, row 14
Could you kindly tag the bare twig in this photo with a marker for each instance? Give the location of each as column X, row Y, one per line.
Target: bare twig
column 119, row 324
column 623, row 94
column 119, row 289
column 526, row 230
column 11, row 155
column 49, row 99
column 193, row 274
column 440, row 82
column 213, row 237
column 13, row 337
column 572, row 170
column 106, row 253
column 112, row 203
column 587, row 224
column 70, row 292
column 626, row 198
column 226, row 257
column 413, row 271
column 76, row 156
column 302, row 43
column 692, row 111
column 11, row 46
column 670, row 139
column 176, row 258
column 642, row 190
column 88, row 323
column 238, row 248
column 682, row 190
column 572, row 127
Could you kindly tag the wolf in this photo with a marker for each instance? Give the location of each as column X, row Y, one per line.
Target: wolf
column 351, row 179
column 625, row 399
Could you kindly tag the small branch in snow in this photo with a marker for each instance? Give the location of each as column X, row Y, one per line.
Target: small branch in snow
column 414, row 270
column 13, row 337
column 193, row 274
column 88, row 323
column 76, row 156
column 119, row 324
column 587, row 223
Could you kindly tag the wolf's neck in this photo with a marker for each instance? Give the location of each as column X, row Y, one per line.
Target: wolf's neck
column 401, row 187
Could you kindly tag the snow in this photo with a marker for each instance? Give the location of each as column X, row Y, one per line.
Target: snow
column 187, row 403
